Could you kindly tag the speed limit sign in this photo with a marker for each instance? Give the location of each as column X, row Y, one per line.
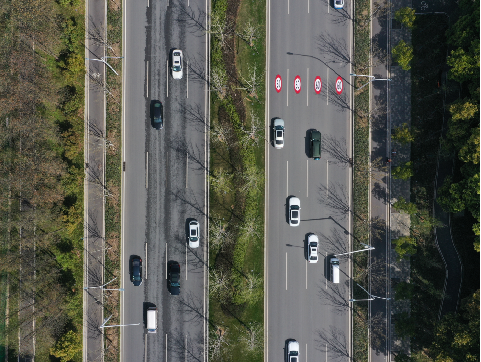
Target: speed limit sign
column 339, row 85
column 278, row 83
column 317, row 85
column 297, row 84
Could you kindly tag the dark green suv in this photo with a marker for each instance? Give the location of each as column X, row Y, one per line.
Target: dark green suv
column 315, row 144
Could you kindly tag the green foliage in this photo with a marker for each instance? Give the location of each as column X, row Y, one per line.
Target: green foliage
column 457, row 335
column 403, row 171
column 405, row 325
column 465, row 64
column 463, row 110
column 403, row 134
column 408, row 207
column 469, row 152
column 405, row 246
column 68, row 347
column 403, row 54
column 404, row 290
column 406, row 16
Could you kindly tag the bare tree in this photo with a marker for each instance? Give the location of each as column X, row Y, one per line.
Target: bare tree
column 249, row 33
column 253, row 178
column 252, row 336
column 221, row 181
column 98, row 35
column 217, row 340
column 218, row 81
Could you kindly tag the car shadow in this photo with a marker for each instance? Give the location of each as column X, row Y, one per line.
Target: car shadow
column 272, row 132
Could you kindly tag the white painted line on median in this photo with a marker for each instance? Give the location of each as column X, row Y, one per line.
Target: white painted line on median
column 287, row 178
column 286, row 270
column 147, row 170
column 186, row 169
column 287, row 88
column 167, row 77
column 187, row 71
column 147, row 78
column 308, row 88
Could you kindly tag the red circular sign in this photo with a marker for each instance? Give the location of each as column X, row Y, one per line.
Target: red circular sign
column 297, row 84
column 278, row 83
column 317, row 85
column 339, row 85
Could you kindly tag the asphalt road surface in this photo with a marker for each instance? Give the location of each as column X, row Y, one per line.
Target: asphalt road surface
column 164, row 183
column 309, row 39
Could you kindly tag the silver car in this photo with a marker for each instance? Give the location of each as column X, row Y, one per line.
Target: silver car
column 313, row 244
column 279, row 131
column 294, row 211
column 177, row 60
column 338, row 4
column 194, row 237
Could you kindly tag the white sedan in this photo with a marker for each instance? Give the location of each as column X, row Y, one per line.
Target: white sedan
column 177, row 71
column 313, row 244
column 279, row 131
column 194, row 237
column 294, row 211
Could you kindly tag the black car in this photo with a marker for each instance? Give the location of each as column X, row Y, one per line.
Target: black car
column 316, row 144
column 158, row 115
column 136, row 270
column 173, row 279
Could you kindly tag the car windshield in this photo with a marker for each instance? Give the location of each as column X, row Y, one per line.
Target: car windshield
column 177, row 68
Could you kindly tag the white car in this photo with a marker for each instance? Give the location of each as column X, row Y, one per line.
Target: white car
column 177, row 60
column 338, row 4
column 279, row 133
column 292, row 351
column 313, row 244
column 294, row 211
column 194, row 237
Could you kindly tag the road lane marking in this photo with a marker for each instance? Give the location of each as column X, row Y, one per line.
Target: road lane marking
column 286, row 270
column 186, row 261
column 308, row 6
column 167, row 77
column 186, row 169
column 327, row 94
column 147, row 170
column 307, row 178
column 145, row 349
column 287, row 178
column 288, row 7
column 306, row 283
column 327, row 178
column 187, row 80
column 146, row 264
column 166, row 346
column 287, row 88
column 166, row 259
column 308, row 88
column 185, row 349
column 147, row 78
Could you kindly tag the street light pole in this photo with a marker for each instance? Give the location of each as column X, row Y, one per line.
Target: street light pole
column 116, row 325
column 373, row 78
column 366, row 248
column 102, row 59
column 372, row 296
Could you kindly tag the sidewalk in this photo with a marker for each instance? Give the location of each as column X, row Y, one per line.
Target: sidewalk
column 391, row 107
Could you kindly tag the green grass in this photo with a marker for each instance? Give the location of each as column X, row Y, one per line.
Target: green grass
column 239, row 311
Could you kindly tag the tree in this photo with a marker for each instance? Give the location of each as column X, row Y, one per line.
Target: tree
column 408, row 207
column 465, row 64
column 403, row 54
column 403, row 134
column 406, row 16
column 404, row 246
column 457, row 335
column 464, row 109
column 404, row 290
column 68, row 347
column 404, row 171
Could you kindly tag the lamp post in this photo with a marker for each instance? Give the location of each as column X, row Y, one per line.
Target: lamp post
column 373, row 78
column 366, row 248
column 116, row 325
column 102, row 286
column 372, row 297
column 102, row 59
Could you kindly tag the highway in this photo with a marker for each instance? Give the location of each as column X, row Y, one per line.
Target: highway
column 308, row 39
column 164, row 179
